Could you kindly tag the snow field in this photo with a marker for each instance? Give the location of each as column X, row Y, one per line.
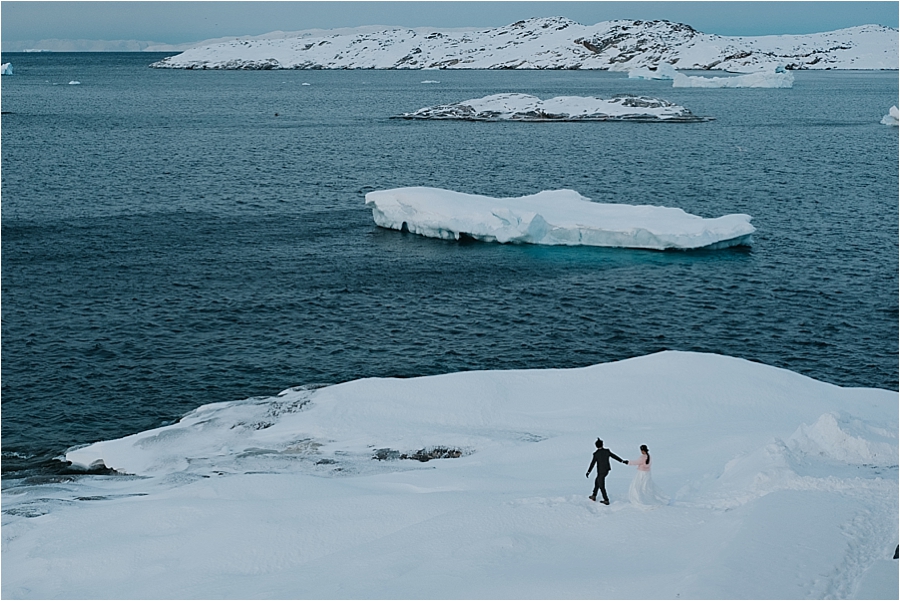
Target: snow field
column 781, row 486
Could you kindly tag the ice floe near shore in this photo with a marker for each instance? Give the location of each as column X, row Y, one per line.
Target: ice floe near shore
column 471, row 485
column 523, row 107
column 892, row 118
column 762, row 79
column 555, row 217
column 776, row 78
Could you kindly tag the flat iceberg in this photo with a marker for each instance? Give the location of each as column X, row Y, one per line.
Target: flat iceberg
column 6, row 69
column 552, row 217
column 892, row 118
column 762, row 79
column 522, row 107
column 663, row 71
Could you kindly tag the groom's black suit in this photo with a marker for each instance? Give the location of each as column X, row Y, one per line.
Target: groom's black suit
column 601, row 460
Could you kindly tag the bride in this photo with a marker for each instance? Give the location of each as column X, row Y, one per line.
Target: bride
column 643, row 491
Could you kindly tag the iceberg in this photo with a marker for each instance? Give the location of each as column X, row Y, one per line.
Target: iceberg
column 892, row 118
column 522, row 107
column 6, row 69
column 781, row 487
column 762, row 79
column 553, row 217
column 663, row 71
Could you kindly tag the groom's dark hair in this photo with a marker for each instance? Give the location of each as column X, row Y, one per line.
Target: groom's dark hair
column 599, row 444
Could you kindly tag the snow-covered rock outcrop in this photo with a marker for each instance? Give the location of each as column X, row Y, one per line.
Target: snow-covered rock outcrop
column 547, row 43
column 522, row 107
column 553, row 217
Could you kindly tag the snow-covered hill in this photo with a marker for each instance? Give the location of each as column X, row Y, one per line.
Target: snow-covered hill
column 547, row 43
column 471, row 486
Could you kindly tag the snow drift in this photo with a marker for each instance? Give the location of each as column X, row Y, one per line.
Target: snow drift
column 471, row 485
column 556, row 217
column 522, row 107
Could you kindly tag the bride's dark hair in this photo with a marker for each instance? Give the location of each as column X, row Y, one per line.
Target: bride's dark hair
column 646, row 450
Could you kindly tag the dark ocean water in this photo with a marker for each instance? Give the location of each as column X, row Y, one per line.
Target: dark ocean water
column 175, row 238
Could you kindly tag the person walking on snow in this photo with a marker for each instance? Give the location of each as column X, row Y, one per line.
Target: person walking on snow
column 601, row 459
column 643, row 491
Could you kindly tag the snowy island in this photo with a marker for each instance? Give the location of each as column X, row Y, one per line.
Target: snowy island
column 522, row 107
column 546, row 43
column 471, row 485
column 554, row 217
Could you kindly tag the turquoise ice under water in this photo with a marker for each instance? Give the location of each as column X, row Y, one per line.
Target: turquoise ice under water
column 174, row 238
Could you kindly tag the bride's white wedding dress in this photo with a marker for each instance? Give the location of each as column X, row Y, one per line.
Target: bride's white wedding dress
column 643, row 491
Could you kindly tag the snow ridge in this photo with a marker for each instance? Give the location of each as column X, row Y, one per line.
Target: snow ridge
column 546, row 43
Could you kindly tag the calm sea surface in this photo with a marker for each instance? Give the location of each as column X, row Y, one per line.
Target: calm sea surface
column 175, row 238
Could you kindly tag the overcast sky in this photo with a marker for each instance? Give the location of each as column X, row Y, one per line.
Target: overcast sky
column 181, row 22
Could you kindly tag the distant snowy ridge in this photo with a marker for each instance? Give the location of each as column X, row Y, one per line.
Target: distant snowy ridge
column 522, row 107
column 553, row 217
column 547, row 43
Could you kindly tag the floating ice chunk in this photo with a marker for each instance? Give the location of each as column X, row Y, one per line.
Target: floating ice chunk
column 522, row 107
column 6, row 69
column 555, row 217
column 663, row 71
column 430, row 81
column 763, row 79
column 74, row 83
column 892, row 118
column 305, row 83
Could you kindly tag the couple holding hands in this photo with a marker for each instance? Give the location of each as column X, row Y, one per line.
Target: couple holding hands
column 642, row 491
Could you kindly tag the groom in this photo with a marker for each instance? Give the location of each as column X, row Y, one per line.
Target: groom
column 601, row 459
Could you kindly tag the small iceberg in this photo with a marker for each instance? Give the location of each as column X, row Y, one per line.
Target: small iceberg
column 522, row 107
column 429, row 81
column 663, row 71
column 892, row 118
column 74, row 83
column 6, row 69
column 553, row 217
column 763, row 79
